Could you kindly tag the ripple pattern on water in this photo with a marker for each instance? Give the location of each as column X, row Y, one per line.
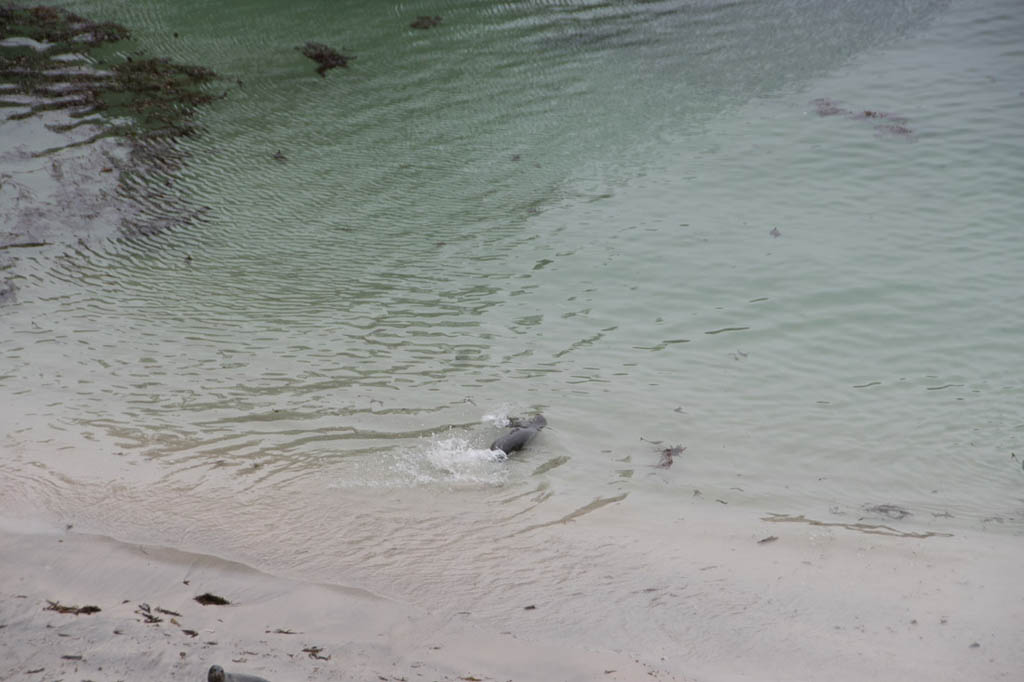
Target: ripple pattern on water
column 552, row 206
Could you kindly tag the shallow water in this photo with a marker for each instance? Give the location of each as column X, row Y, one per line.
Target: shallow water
column 555, row 207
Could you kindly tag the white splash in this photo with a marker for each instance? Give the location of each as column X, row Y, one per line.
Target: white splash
column 447, row 458
column 456, row 459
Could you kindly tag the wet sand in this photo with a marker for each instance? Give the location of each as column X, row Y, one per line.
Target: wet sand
column 815, row 601
column 275, row 628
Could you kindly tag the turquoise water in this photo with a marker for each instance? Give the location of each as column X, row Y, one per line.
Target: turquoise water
column 556, row 207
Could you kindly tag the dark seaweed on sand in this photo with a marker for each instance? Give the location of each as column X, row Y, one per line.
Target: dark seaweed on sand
column 208, row 599
column 76, row 610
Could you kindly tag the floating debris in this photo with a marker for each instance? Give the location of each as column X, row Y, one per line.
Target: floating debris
column 424, row 22
column 326, row 57
column 765, row 541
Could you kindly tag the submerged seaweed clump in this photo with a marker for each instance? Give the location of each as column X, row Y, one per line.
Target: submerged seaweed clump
column 56, row 25
column 326, row 57
column 163, row 95
column 425, row 22
column 157, row 95
column 53, row 61
column 894, row 126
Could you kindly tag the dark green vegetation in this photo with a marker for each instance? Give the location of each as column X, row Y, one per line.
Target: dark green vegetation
column 86, row 81
column 137, row 97
column 55, row 25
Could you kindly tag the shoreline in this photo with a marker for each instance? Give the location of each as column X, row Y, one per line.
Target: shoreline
column 150, row 624
column 811, row 600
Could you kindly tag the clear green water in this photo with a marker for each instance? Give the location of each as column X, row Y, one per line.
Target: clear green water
column 557, row 207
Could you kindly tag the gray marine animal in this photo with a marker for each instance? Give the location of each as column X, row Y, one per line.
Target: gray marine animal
column 520, row 435
column 217, row 674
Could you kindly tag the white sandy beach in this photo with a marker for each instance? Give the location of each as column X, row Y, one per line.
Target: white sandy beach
column 818, row 602
column 276, row 628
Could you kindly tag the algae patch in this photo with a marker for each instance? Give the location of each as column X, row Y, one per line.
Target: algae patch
column 53, row 59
